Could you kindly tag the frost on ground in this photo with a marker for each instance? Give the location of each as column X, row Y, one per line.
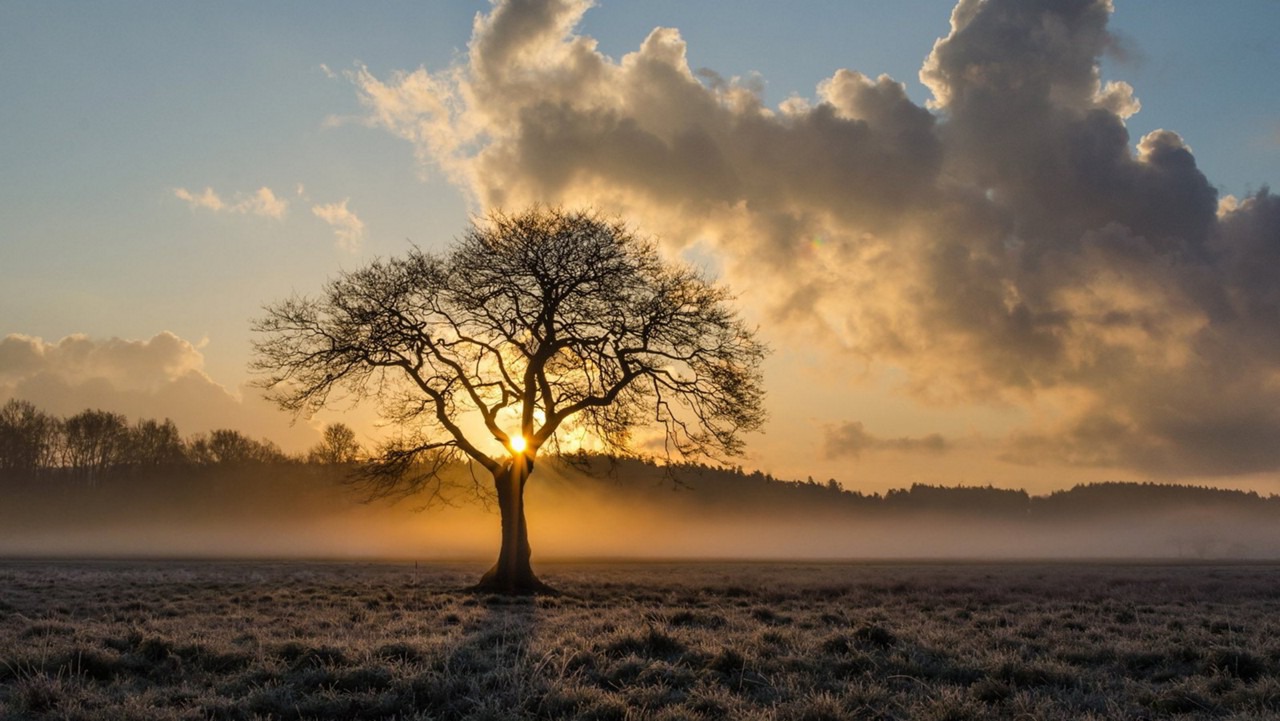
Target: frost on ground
column 134, row 640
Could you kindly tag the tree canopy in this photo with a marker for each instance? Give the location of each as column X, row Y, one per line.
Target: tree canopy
column 530, row 325
column 555, row 317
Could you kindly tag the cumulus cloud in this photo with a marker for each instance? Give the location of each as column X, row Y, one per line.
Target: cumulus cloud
column 134, row 365
column 1007, row 242
column 347, row 226
column 853, row 439
column 262, row 201
column 161, row 377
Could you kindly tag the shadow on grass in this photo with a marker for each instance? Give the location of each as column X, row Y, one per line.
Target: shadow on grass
column 490, row 671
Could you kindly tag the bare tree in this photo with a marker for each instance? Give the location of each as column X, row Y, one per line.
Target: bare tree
column 153, row 444
column 530, row 325
column 337, row 445
column 28, row 437
column 94, row 442
column 225, row 446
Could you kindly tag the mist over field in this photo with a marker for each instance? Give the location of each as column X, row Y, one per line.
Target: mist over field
column 635, row 511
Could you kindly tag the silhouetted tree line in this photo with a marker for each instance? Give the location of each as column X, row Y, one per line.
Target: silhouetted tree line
column 95, row 443
column 1090, row 498
column 735, row 487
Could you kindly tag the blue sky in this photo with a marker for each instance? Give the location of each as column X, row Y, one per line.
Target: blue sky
column 110, row 108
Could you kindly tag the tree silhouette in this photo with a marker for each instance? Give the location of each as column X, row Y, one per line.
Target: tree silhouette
column 225, row 446
column 28, row 437
column 530, row 325
column 94, row 442
column 154, row 445
column 337, row 445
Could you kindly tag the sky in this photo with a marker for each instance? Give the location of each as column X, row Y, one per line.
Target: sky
column 1027, row 244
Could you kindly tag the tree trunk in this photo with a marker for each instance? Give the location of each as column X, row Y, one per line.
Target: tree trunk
column 512, row 574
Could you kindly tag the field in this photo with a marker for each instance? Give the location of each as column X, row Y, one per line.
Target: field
column 213, row 640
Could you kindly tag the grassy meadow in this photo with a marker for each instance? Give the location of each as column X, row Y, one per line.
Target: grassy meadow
column 292, row 640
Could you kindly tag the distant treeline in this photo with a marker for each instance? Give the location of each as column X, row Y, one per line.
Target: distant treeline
column 735, row 489
column 93, row 444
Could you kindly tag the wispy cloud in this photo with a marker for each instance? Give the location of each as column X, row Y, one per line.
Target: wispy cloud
column 262, row 201
column 1006, row 243
column 208, row 199
column 347, row 226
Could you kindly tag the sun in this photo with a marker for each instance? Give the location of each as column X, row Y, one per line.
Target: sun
column 518, row 443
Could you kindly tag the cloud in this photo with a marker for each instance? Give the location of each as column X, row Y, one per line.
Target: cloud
column 208, row 199
column 262, row 202
column 852, row 439
column 347, row 226
column 161, row 377
column 1006, row 243
column 133, row 365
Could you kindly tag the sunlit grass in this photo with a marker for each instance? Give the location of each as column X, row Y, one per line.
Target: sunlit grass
column 744, row 641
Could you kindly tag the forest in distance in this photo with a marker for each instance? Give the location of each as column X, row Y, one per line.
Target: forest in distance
column 95, row 485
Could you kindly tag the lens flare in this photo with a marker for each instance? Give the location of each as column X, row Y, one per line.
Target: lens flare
column 518, row 444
